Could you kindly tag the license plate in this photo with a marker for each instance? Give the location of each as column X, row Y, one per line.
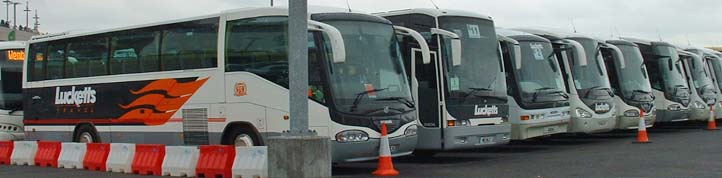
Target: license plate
column 486, row 140
column 551, row 129
column 394, row 148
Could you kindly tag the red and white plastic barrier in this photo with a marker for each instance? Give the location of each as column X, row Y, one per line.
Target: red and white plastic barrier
column 48, row 153
column 71, row 156
column 208, row 160
column 121, row 157
column 251, row 162
column 148, row 159
column 24, row 153
column 180, row 161
column 95, row 156
column 6, row 151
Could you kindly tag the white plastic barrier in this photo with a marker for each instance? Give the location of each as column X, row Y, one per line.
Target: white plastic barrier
column 71, row 155
column 251, row 162
column 120, row 158
column 180, row 161
column 24, row 153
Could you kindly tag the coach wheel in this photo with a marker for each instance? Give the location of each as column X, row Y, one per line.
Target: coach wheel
column 243, row 140
column 85, row 137
column 238, row 136
column 85, row 134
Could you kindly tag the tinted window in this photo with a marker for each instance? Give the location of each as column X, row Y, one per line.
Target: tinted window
column 258, row 45
column 36, row 62
column 134, row 51
column 55, row 61
column 190, row 45
column 11, row 79
column 87, row 57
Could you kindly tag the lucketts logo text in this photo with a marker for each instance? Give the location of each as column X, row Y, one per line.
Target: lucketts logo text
column 75, row 97
column 486, row 110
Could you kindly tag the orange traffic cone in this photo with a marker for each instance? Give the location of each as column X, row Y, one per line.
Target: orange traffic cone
column 711, row 123
column 386, row 166
column 642, row 129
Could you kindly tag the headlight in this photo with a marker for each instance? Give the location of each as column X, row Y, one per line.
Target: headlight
column 698, row 105
column 631, row 113
column 410, row 131
column 352, row 136
column 674, row 107
column 583, row 114
column 464, row 122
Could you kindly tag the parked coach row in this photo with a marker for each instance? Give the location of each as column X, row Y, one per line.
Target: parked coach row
column 439, row 79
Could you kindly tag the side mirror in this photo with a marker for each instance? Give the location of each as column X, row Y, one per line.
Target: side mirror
column 455, row 44
column 517, row 55
column 618, row 55
column 514, row 50
column 337, row 44
column 581, row 55
column 425, row 51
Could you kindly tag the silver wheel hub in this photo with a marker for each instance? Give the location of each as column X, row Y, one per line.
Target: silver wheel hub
column 85, row 137
column 243, row 140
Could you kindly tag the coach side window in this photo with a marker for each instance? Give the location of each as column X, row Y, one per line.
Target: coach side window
column 87, row 57
column 134, row 51
column 56, row 60
column 190, row 45
column 258, row 45
column 36, row 62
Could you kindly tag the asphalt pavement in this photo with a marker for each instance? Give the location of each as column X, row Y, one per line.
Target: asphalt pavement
column 678, row 150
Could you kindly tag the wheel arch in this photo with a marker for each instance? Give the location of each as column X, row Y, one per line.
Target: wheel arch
column 244, row 125
column 92, row 127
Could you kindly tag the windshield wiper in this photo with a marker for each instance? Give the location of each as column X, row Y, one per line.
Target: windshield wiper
column 403, row 100
column 706, row 87
column 609, row 91
column 360, row 96
column 676, row 89
column 634, row 97
column 473, row 92
column 538, row 91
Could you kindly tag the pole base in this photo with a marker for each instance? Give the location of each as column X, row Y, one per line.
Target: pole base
column 638, row 142
column 712, row 129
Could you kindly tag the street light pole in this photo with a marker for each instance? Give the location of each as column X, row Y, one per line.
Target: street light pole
column 35, row 27
column 15, row 14
column 7, row 10
column 27, row 14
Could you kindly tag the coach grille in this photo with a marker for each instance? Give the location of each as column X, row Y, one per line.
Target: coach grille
column 195, row 126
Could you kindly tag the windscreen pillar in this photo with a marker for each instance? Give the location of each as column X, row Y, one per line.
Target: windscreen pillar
column 299, row 152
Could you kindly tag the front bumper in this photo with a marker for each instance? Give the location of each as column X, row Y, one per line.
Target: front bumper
column 672, row 116
column 471, row 137
column 369, row 150
column 592, row 125
column 530, row 130
column 627, row 123
column 699, row 114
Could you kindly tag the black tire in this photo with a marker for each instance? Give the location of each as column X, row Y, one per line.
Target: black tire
column 233, row 132
column 86, row 129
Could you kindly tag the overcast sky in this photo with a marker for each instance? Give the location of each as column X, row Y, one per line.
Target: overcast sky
column 698, row 21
